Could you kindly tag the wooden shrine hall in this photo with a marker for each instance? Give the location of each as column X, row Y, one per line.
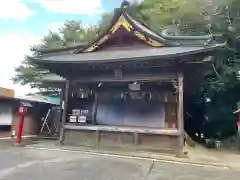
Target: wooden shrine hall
column 125, row 89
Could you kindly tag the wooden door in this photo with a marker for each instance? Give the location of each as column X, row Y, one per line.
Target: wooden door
column 171, row 115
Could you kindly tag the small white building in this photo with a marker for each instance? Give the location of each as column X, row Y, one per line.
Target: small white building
column 9, row 104
column 6, row 110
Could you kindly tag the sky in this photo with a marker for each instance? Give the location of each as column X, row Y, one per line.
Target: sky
column 24, row 22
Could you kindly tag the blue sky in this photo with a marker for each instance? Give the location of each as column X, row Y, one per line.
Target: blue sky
column 24, row 22
column 39, row 15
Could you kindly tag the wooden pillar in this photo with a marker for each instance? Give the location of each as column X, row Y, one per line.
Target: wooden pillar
column 94, row 111
column 180, row 113
column 64, row 113
column 62, row 93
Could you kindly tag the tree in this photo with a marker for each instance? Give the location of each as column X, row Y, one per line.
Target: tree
column 72, row 32
column 210, row 109
column 187, row 15
column 216, row 99
column 192, row 17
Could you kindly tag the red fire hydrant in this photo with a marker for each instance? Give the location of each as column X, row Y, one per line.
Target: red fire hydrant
column 21, row 114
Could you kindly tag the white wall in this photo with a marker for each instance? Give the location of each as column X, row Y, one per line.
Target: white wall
column 5, row 114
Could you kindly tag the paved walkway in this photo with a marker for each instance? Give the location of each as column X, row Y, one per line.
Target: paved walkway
column 198, row 155
column 203, row 155
column 31, row 163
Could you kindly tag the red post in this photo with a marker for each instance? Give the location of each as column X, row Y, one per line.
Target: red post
column 238, row 133
column 238, row 116
column 20, row 124
column 238, row 124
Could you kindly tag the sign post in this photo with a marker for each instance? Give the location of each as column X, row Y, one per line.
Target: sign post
column 21, row 113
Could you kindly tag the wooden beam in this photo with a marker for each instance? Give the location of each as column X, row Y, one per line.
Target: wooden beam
column 125, row 129
column 180, row 114
column 64, row 115
column 126, row 78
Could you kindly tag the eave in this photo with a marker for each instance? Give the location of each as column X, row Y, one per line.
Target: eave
column 123, row 56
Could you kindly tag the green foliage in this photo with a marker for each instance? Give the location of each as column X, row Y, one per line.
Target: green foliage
column 187, row 15
column 210, row 108
column 223, row 92
column 72, row 32
column 192, row 17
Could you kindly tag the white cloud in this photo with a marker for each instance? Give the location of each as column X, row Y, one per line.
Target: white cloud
column 54, row 26
column 71, row 6
column 135, row 1
column 14, row 9
column 14, row 46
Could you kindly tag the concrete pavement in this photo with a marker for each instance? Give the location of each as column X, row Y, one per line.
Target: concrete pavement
column 196, row 156
column 19, row 163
